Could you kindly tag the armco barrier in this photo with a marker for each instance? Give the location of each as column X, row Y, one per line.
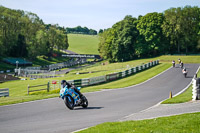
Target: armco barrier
column 97, row 80
column 78, row 82
column 4, row 92
column 85, row 82
column 111, row 77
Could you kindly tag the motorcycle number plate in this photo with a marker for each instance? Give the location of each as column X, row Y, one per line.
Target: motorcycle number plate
column 73, row 95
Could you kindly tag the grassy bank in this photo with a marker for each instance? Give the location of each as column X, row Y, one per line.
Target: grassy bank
column 185, row 59
column 83, row 44
column 186, row 123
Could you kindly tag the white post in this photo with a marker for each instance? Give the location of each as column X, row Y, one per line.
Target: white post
column 28, row 89
column 194, row 90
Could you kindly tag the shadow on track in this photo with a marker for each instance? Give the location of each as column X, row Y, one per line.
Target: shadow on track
column 88, row 108
column 189, row 77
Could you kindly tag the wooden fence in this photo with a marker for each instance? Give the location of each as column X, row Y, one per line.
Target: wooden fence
column 4, row 92
column 38, row 89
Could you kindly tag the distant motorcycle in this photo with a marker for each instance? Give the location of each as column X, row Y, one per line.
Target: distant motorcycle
column 72, row 99
column 184, row 73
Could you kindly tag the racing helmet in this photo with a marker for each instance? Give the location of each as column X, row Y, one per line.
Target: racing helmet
column 62, row 83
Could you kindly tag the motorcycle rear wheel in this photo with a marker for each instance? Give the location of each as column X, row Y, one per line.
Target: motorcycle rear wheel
column 85, row 102
column 68, row 103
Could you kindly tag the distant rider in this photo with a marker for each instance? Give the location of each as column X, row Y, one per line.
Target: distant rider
column 181, row 64
column 179, row 60
column 64, row 83
column 184, row 71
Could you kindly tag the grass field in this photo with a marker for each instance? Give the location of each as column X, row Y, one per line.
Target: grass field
column 186, row 123
column 83, row 44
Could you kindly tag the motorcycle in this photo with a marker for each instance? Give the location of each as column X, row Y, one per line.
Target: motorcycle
column 72, row 99
column 184, row 73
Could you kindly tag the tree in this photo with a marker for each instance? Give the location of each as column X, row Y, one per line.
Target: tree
column 105, row 44
column 56, row 39
column 19, row 50
column 23, row 34
column 81, row 30
column 149, row 26
column 100, row 31
column 117, row 43
column 190, row 27
column 181, row 28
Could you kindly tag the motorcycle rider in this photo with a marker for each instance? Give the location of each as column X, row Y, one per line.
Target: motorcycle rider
column 181, row 64
column 179, row 60
column 64, row 83
column 184, row 71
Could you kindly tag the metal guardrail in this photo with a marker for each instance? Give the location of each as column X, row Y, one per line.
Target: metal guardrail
column 4, row 92
column 113, row 76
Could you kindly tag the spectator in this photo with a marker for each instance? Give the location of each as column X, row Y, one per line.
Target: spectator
column 173, row 63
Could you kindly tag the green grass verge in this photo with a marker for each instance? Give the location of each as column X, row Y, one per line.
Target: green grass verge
column 83, row 44
column 184, row 59
column 186, row 123
column 40, row 61
column 186, row 96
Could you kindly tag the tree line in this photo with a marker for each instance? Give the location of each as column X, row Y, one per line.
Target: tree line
column 175, row 31
column 23, row 34
column 81, row 30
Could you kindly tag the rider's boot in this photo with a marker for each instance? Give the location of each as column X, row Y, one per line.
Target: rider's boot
column 81, row 96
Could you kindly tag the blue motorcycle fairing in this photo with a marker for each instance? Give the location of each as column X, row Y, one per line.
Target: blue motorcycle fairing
column 68, row 91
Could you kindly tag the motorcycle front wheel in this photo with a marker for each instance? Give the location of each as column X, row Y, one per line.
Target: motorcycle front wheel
column 69, row 102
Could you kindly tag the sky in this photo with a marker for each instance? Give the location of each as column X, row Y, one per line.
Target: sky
column 94, row 14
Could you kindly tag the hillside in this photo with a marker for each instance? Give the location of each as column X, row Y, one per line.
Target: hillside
column 83, row 44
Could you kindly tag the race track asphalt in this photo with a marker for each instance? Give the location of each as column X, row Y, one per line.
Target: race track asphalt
column 51, row 115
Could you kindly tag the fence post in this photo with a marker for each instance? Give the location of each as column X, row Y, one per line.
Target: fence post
column 48, row 87
column 59, row 84
column 28, row 89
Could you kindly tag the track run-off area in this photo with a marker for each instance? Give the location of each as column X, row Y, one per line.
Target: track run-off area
column 51, row 115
